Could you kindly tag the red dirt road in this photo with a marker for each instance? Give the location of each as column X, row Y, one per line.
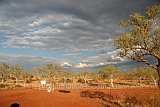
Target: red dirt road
column 36, row 98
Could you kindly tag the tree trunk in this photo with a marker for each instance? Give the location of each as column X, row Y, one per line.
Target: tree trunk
column 159, row 79
column 155, row 83
column 112, row 82
column 140, row 81
column 111, row 77
column 158, row 70
column 154, row 80
column 64, row 80
column 85, row 81
column 16, row 80
column 2, row 81
column 24, row 85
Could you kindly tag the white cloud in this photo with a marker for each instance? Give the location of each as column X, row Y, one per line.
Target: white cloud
column 29, row 62
column 82, row 65
column 85, row 65
column 72, row 54
column 66, row 64
column 102, row 59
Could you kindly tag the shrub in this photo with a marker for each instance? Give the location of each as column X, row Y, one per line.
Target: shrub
column 131, row 100
column 142, row 100
column 113, row 99
column 155, row 100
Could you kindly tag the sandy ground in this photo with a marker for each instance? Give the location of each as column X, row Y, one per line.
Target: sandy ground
column 36, row 98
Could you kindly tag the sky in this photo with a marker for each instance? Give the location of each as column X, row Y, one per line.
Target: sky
column 76, row 34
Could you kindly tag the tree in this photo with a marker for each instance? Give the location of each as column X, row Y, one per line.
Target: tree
column 141, row 74
column 152, row 74
column 131, row 75
column 65, row 75
column 84, row 75
column 57, row 68
column 109, row 72
column 39, row 71
column 15, row 71
column 50, row 66
column 142, row 37
column 3, row 68
column 27, row 76
column 50, row 73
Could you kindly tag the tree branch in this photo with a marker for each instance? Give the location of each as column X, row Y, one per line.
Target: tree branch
column 146, row 62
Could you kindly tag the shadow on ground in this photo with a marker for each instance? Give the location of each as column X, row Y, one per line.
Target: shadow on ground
column 111, row 99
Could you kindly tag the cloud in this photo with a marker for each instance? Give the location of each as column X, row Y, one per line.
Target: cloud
column 111, row 58
column 65, row 25
column 101, row 60
column 85, row 65
column 29, row 62
column 66, row 65
column 72, row 54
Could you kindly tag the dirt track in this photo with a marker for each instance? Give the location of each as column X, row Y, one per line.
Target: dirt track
column 36, row 98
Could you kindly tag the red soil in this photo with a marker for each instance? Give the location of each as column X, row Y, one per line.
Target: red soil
column 36, row 98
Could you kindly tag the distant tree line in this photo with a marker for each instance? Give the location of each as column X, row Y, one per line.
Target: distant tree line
column 51, row 73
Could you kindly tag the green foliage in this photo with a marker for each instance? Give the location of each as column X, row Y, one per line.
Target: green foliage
column 49, row 72
column 151, row 73
column 39, row 71
column 3, row 71
column 153, row 12
column 57, row 68
column 142, row 37
column 107, row 71
column 64, row 73
column 85, row 73
column 52, row 72
column 4, row 67
column 27, row 74
column 130, row 75
column 49, row 66
column 16, row 71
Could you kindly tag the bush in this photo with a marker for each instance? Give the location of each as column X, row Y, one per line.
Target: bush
column 142, row 100
column 113, row 99
column 155, row 100
column 3, row 85
column 131, row 100
column 80, row 80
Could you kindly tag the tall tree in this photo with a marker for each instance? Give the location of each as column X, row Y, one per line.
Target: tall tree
column 152, row 74
column 50, row 66
column 39, row 71
column 141, row 74
column 57, row 68
column 142, row 37
column 50, row 73
column 64, row 74
column 16, row 71
column 3, row 68
column 86, row 74
column 109, row 72
column 131, row 75
column 27, row 76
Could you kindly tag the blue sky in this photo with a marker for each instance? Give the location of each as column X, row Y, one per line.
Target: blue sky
column 74, row 33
